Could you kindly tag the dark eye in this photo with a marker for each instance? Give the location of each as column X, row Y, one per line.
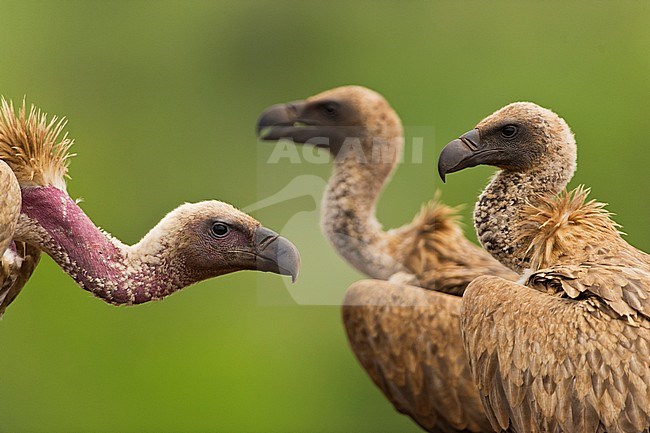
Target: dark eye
column 219, row 230
column 509, row 131
column 330, row 109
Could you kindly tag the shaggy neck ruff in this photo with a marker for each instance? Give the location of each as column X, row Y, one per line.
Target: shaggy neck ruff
column 498, row 216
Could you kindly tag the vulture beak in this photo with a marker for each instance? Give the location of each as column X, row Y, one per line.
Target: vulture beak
column 280, row 121
column 461, row 153
column 276, row 254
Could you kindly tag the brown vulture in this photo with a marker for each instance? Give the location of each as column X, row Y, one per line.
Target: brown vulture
column 567, row 347
column 405, row 331
column 192, row 243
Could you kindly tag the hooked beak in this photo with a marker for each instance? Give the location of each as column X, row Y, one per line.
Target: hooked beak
column 282, row 121
column 296, row 122
column 461, row 153
column 276, row 254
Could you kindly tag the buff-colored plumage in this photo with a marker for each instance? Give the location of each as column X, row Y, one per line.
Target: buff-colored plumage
column 548, row 227
column 567, row 348
column 404, row 331
column 441, row 257
column 33, row 146
column 408, row 341
column 407, row 338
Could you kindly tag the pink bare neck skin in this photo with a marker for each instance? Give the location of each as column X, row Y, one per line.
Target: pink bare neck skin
column 97, row 262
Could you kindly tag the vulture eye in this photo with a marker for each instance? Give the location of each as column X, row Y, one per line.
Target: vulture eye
column 330, row 109
column 219, row 230
column 509, row 131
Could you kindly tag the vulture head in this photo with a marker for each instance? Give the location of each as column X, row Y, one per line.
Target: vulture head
column 192, row 243
column 348, row 121
column 520, row 137
column 212, row 238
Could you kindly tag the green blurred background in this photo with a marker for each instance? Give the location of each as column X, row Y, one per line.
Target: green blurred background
column 162, row 99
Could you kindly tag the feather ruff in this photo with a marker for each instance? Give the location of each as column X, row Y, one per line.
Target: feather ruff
column 34, row 147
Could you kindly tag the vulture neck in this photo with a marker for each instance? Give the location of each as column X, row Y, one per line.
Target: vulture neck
column 497, row 215
column 112, row 271
column 349, row 206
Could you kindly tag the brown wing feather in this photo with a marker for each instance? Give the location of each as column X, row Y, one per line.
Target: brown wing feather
column 574, row 368
column 408, row 340
column 17, row 260
column 624, row 290
column 441, row 257
column 18, row 273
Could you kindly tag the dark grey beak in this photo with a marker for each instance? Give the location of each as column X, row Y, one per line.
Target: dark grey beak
column 461, row 153
column 279, row 121
column 275, row 254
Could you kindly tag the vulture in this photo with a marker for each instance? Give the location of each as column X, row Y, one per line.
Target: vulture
column 567, row 347
column 403, row 325
column 192, row 243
